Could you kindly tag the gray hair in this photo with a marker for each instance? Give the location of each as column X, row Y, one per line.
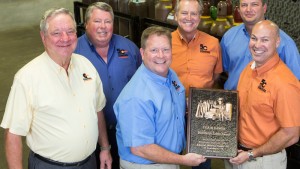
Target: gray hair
column 200, row 4
column 54, row 12
column 155, row 30
column 98, row 5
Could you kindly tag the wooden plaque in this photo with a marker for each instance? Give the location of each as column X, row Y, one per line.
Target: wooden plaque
column 212, row 123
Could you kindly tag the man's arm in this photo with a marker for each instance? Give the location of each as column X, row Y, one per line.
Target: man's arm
column 281, row 139
column 105, row 157
column 13, row 149
column 155, row 153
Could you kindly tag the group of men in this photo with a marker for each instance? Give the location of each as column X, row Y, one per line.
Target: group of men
column 132, row 102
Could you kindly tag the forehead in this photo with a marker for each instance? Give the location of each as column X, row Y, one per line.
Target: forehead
column 60, row 20
column 263, row 31
column 250, row 1
column 98, row 13
column 188, row 6
column 158, row 41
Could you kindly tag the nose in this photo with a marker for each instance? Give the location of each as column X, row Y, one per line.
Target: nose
column 64, row 36
column 189, row 16
column 160, row 53
column 102, row 24
column 248, row 8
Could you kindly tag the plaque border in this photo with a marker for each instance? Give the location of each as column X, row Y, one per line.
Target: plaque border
column 191, row 94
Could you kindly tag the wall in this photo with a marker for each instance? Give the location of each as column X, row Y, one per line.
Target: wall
column 24, row 13
column 285, row 14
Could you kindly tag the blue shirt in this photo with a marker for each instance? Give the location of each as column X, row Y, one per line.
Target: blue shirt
column 150, row 110
column 236, row 54
column 123, row 59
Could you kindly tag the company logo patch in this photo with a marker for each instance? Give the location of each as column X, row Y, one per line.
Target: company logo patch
column 203, row 49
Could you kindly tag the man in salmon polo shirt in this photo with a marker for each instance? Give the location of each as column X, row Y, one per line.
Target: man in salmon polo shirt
column 269, row 104
column 196, row 55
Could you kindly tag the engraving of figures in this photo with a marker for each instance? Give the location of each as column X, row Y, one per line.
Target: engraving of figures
column 214, row 109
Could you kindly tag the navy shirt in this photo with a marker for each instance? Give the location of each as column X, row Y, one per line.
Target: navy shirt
column 123, row 59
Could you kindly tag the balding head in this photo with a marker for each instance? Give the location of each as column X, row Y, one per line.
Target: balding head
column 264, row 41
column 267, row 24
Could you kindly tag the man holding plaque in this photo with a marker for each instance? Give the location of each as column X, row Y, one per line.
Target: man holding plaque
column 150, row 110
column 269, row 104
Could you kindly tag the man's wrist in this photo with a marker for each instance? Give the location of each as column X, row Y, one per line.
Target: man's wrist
column 251, row 156
column 105, row 148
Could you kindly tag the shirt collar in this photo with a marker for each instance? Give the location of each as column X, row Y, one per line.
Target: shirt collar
column 265, row 67
column 157, row 78
column 56, row 66
column 244, row 29
column 181, row 37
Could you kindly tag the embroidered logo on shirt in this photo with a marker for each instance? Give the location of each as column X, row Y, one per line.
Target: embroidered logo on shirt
column 86, row 77
column 203, row 49
column 262, row 85
column 122, row 53
column 175, row 85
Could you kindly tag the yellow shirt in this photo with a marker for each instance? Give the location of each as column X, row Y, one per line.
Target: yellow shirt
column 56, row 112
column 196, row 62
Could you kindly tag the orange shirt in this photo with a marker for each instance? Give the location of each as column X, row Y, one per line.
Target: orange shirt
column 196, row 62
column 269, row 99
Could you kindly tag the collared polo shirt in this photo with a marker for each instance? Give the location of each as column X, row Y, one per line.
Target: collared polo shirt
column 236, row 54
column 56, row 112
column 150, row 110
column 196, row 62
column 123, row 59
column 269, row 99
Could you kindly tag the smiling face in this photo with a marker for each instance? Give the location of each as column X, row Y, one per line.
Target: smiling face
column 99, row 27
column 264, row 42
column 157, row 55
column 252, row 11
column 60, row 38
column 188, row 16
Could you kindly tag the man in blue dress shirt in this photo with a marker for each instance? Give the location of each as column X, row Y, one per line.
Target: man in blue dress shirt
column 235, row 52
column 115, row 58
column 150, row 110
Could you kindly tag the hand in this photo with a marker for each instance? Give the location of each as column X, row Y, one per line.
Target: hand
column 105, row 159
column 193, row 159
column 240, row 158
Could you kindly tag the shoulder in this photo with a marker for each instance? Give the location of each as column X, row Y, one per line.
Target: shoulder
column 285, row 38
column 34, row 66
column 120, row 40
column 81, row 60
column 207, row 37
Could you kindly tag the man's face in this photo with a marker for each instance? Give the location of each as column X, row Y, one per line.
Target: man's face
column 60, row 39
column 157, row 56
column 99, row 27
column 188, row 17
column 252, row 11
column 263, row 43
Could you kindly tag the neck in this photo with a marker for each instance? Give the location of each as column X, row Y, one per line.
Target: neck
column 187, row 36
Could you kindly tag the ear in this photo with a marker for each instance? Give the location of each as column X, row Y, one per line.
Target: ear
column 42, row 34
column 142, row 53
column 265, row 8
column 277, row 41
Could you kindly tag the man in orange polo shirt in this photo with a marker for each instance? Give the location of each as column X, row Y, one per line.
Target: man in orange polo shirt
column 196, row 55
column 269, row 96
